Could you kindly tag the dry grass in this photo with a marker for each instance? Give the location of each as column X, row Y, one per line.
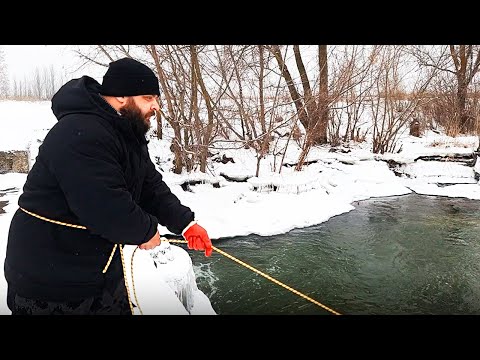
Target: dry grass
column 453, row 143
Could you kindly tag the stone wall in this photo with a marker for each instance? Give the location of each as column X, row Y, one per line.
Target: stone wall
column 14, row 161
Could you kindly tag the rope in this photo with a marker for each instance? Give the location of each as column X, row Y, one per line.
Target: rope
column 133, row 284
column 125, row 278
column 109, row 258
column 267, row 277
column 289, row 288
column 54, row 221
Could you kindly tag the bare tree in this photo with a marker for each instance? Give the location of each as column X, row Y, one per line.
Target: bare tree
column 4, row 79
column 323, row 96
column 38, row 84
column 15, row 88
column 313, row 111
column 204, row 132
column 316, row 132
column 50, row 80
column 351, row 82
column 295, row 95
column 175, row 75
column 460, row 64
column 391, row 110
column 190, row 105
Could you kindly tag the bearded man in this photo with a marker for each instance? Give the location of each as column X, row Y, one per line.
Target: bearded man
column 92, row 189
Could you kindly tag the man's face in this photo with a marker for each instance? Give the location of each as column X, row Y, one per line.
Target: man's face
column 140, row 109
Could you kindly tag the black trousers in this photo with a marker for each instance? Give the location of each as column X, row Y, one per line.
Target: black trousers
column 108, row 303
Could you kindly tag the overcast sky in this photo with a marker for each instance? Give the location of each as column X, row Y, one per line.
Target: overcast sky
column 22, row 60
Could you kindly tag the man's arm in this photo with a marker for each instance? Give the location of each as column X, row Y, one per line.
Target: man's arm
column 158, row 200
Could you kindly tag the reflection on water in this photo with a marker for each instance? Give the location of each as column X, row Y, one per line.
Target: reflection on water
column 399, row 255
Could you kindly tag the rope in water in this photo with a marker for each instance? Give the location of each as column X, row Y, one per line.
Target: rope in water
column 289, row 288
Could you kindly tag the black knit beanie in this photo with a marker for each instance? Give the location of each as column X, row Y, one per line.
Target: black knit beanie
column 128, row 77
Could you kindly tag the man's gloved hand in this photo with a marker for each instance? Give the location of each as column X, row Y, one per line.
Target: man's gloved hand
column 197, row 238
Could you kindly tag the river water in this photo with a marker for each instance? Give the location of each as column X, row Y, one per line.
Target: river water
column 409, row 254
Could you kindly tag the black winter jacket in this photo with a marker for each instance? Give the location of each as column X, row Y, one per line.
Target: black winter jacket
column 91, row 170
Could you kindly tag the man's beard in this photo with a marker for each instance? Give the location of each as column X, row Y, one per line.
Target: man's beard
column 140, row 123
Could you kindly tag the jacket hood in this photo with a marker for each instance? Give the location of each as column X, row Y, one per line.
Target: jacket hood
column 80, row 96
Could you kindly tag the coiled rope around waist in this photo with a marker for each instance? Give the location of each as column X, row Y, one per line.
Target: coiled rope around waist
column 109, row 258
column 180, row 241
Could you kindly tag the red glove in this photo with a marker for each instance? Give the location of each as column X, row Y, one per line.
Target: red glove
column 198, row 239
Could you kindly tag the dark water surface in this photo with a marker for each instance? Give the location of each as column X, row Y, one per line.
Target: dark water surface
column 410, row 254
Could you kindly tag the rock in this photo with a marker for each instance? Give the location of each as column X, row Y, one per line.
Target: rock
column 14, row 161
column 415, row 128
